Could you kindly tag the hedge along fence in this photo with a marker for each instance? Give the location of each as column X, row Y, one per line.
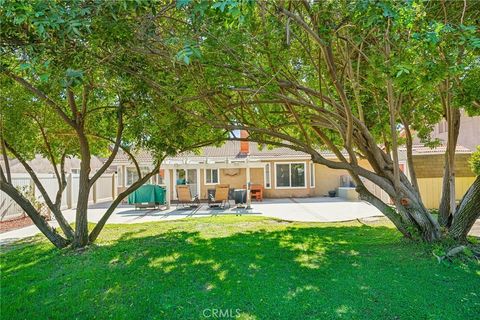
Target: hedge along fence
column 103, row 190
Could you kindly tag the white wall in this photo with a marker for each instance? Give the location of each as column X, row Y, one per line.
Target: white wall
column 103, row 190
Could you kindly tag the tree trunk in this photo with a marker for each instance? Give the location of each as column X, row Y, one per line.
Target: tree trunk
column 101, row 223
column 421, row 219
column 55, row 208
column 81, row 222
column 444, row 207
column 467, row 212
column 407, row 217
column 388, row 211
column 37, row 219
column 6, row 161
column 81, row 219
column 447, row 202
column 411, row 168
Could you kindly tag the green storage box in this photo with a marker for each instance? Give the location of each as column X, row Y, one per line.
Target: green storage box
column 148, row 193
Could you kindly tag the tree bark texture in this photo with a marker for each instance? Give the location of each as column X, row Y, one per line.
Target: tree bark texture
column 447, row 202
column 37, row 219
column 81, row 218
column 467, row 213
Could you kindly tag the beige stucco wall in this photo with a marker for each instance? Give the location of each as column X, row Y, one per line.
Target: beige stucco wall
column 432, row 166
column 326, row 179
column 257, row 176
column 236, row 178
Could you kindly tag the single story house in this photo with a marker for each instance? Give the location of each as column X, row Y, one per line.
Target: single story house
column 282, row 172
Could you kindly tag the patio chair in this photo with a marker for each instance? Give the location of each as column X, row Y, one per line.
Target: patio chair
column 185, row 198
column 221, row 198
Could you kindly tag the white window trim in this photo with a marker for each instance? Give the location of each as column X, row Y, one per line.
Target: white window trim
column 205, row 176
column 312, row 174
column 290, row 163
column 126, row 174
column 265, row 176
column 175, row 180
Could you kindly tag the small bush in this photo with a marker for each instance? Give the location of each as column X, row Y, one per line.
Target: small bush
column 474, row 162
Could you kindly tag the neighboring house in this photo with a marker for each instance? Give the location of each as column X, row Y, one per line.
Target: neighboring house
column 469, row 135
column 429, row 168
column 103, row 189
column 429, row 163
column 40, row 164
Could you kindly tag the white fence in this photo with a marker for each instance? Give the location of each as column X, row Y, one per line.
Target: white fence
column 8, row 208
column 104, row 189
column 377, row 191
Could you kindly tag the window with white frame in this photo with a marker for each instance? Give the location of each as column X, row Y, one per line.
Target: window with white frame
column 211, row 176
column 290, row 175
column 132, row 174
column 312, row 175
column 120, row 179
column 267, row 175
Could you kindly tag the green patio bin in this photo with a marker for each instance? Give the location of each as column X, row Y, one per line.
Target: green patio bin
column 150, row 194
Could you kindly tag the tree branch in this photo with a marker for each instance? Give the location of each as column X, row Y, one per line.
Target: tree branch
column 42, row 96
column 113, row 154
column 55, row 210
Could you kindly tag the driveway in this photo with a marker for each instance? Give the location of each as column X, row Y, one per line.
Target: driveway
column 292, row 209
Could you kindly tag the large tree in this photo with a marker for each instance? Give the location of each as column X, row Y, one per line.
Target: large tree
column 68, row 90
column 343, row 76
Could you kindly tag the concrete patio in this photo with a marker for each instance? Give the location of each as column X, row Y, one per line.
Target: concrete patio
column 317, row 209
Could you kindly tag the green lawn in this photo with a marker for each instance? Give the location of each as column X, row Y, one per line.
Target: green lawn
column 265, row 268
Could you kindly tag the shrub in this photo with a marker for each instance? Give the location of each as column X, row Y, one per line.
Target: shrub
column 475, row 162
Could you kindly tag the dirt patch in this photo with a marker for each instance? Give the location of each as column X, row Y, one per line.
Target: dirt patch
column 15, row 224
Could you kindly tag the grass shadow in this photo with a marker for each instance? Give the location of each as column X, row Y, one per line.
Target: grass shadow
column 264, row 268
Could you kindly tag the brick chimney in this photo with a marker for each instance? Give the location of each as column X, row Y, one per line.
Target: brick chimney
column 244, row 145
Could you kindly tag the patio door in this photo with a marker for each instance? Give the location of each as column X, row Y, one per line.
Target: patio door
column 188, row 177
